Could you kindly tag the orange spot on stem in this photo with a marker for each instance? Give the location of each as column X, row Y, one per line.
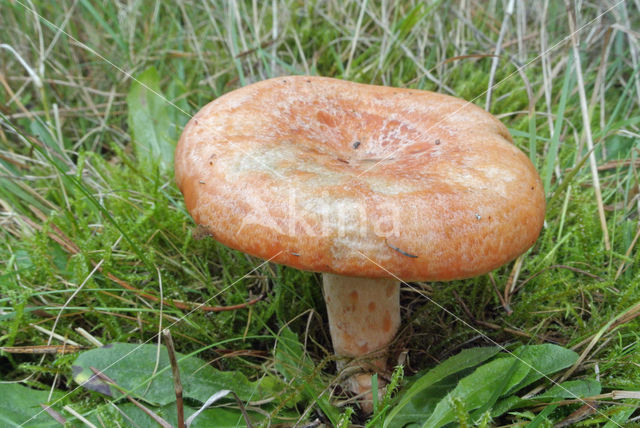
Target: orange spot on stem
column 390, row 290
column 386, row 322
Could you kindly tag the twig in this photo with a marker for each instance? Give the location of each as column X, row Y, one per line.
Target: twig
column 177, row 385
column 42, row 349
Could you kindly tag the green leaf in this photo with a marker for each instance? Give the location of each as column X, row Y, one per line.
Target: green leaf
column 570, row 389
column 132, row 368
column 492, row 380
column 20, row 405
column 464, row 360
column 475, row 390
column 212, row 417
column 296, row 367
column 573, row 389
column 544, row 360
column 152, row 120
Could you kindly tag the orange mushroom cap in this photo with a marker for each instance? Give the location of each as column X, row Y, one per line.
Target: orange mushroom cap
column 360, row 180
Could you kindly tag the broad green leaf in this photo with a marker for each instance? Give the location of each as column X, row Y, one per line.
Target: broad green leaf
column 20, row 405
column 414, row 412
column 464, row 360
column 495, row 379
column 544, row 360
column 132, row 368
column 570, row 389
column 212, row 417
column 476, row 389
column 150, row 120
column 517, row 372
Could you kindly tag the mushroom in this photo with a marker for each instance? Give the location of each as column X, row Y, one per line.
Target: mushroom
column 369, row 185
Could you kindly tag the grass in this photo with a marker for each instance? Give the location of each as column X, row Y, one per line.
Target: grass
column 94, row 231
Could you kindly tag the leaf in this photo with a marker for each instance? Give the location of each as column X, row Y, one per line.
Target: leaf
column 151, row 120
column 492, row 380
column 132, row 366
column 573, row 389
column 474, row 390
column 296, row 367
column 215, row 417
column 20, row 405
column 544, row 359
column 570, row 389
column 422, row 405
column 466, row 359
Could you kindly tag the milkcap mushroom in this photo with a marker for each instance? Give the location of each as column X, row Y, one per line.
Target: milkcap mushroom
column 368, row 185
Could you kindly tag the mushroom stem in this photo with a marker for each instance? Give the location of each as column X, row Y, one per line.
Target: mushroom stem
column 364, row 317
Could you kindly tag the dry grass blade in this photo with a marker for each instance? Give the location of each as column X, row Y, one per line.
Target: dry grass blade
column 84, row 333
column 55, row 415
column 57, row 336
column 511, row 282
column 79, row 416
column 498, row 49
column 621, row 319
column 586, row 120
